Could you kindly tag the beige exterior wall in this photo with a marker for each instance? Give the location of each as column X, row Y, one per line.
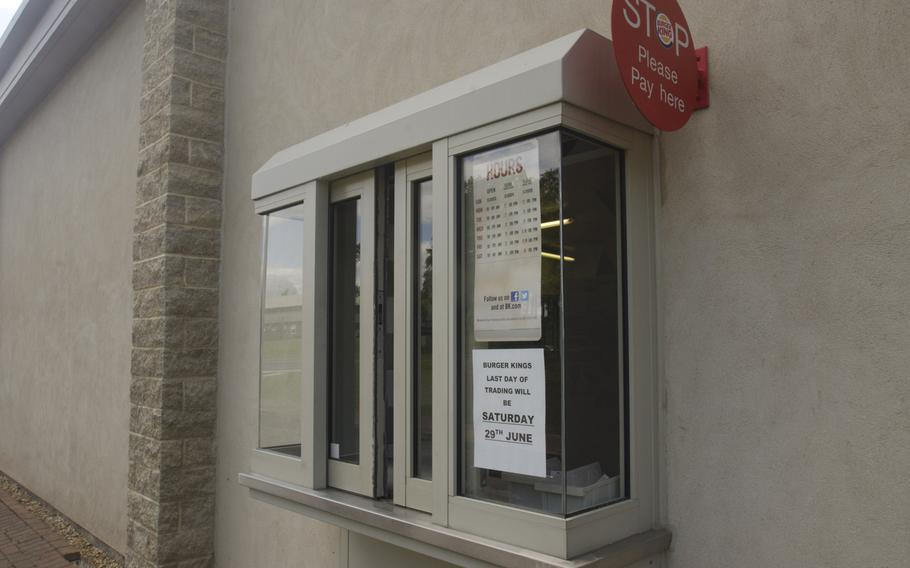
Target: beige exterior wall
column 67, row 191
column 784, row 269
column 295, row 70
column 786, row 282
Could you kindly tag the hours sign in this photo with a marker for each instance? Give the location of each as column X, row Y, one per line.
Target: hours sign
column 654, row 50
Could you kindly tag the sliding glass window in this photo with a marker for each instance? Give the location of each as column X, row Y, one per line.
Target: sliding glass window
column 543, row 410
column 282, row 315
column 423, row 329
column 344, row 440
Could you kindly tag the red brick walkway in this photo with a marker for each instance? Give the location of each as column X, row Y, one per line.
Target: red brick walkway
column 28, row 542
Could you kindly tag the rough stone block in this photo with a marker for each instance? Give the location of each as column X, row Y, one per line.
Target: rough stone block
column 157, row 15
column 147, row 362
column 157, row 517
column 150, row 332
column 202, row 212
column 206, row 562
column 198, row 182
column 156, row 393
column 158, row 70
column 149, row 303
column 206, row 154
column 179, row 424
column 133, row 561
column 210, row 43
column 166, row 270
column 142, row 541
column 192, row 241
column 188, row 543
column 181, row 33
column 202, row 272
column 201, row 333
column 199, row 394
column 168, row 208
column 199, row 451
column 144, row 480
column 207, row 97
column 154, row 128
column 149, row 244
column 192, row 302
column 210, row 14
column 199, row 68
column 176, row 90
column 151, row 185
column 180, row 363
column 170, row 148
column 146, row 421
column 197, row 482
column 197, row 123
column 154, row 453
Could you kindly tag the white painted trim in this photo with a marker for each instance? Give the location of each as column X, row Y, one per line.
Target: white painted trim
column 44, row 40
column 577, row 68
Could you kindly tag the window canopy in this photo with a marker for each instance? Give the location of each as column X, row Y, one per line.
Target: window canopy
column 578, row 69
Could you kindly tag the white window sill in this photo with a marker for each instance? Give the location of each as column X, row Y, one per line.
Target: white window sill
column 414, row 530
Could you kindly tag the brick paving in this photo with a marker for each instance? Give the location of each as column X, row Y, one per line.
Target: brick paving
column 26, row 541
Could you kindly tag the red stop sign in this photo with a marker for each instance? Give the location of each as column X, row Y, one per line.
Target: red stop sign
column 656, row 58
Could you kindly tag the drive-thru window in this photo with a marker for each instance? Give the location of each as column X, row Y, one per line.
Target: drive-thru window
column 458, row 326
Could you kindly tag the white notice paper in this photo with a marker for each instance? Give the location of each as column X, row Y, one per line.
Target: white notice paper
column 510, row 411
column 507, row 243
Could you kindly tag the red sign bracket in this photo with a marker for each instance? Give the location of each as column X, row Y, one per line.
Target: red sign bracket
column 702, row 96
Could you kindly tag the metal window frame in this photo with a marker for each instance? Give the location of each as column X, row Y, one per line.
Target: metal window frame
column 587, row 531
column 410, row 491
column 564, row 83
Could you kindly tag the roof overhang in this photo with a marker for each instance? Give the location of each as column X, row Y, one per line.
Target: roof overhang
column 578, row 69
column 42, row 42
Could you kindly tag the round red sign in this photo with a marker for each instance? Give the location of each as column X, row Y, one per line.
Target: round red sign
column 656, row 58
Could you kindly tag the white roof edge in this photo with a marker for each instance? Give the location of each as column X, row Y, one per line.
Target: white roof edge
column 45, row 39
column 577, row 68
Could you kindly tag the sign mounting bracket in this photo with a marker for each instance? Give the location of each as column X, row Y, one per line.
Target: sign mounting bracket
column 702, row 96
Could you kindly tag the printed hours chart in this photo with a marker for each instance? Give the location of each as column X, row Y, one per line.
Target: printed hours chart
column 507, row 243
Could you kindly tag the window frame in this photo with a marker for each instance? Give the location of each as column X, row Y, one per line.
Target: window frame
column 559, row 537
column 409, row 490
column 360, row 477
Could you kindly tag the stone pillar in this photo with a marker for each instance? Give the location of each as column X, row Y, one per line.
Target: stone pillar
column 176, row 248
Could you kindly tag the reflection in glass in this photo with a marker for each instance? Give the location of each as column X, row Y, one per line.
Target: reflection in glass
column 282, row 317
column 582, row 333
column 344, row 374
column 592, row 310
column 512, row 488
column 423, row 348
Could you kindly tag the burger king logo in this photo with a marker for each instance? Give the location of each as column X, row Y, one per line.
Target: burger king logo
column 664, row 30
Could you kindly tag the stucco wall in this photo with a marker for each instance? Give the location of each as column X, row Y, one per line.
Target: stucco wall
column 294, row 71
column 786, row 281
column 783, row 265
column 67, row 187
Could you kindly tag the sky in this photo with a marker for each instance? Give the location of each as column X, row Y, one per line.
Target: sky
column 7, row 11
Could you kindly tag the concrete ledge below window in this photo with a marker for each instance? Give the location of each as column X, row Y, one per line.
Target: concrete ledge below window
column 414, row 530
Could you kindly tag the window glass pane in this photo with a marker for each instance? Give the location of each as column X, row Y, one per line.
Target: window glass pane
column 592, row 310
column 515, row 488
column 344, row 441
column 282, row 315
column 423, row 348
column 581, row 333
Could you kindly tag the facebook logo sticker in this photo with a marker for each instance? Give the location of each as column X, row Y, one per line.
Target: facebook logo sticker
column 514, row 295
